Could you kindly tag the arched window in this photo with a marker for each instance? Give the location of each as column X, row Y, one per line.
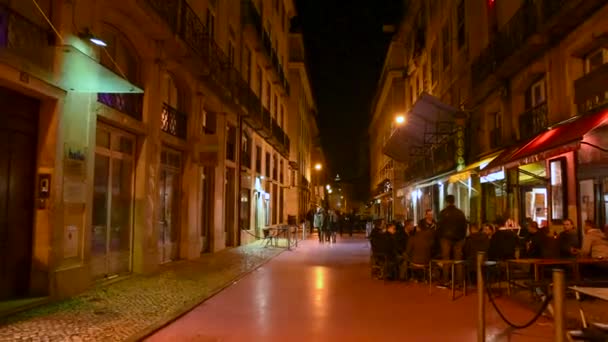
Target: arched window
column 171, row 94
column 173, row 118
column 120, row 57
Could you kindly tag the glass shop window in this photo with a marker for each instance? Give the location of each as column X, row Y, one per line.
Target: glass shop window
column 558, row 189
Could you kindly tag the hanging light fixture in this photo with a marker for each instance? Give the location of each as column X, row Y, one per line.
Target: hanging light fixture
column 88, row 35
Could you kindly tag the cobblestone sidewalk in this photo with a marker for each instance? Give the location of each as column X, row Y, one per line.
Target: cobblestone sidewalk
column 127, row 309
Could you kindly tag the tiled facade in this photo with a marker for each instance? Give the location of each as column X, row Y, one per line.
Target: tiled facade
column 171, row 141
column 495, row 81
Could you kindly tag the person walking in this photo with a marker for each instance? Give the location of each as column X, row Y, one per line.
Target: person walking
column 452, row 229
column 319, row 220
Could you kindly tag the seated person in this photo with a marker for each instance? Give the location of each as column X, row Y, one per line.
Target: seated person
column 476, row 242
column 488, row 229
column 534, row 242
column 419, row 248
column 403, row 235
column 503, row 243
column 595, row 242
column 568, row 240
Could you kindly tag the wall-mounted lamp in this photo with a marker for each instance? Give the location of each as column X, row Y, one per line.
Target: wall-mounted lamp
column 88, row 35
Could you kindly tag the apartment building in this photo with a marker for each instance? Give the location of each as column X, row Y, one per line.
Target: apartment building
column 303, row 128
column 137, row 133
column 503, row 109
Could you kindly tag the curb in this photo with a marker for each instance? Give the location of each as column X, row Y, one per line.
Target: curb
column 177, row 314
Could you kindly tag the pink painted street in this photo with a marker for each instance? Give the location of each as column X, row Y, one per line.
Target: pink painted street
column 323, row 292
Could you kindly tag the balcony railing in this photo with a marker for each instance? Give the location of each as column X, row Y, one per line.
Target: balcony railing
column 174, row 122
column 266, row 123
column 277, row 131
column 533, row 121
column 520, row 27
column 591, row 90
column 187, row 25
column 548, row 20
column 129, row 103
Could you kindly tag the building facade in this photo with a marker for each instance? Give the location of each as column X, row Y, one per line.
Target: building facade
column 502, row 107
column 303, row 128
column 137, row 134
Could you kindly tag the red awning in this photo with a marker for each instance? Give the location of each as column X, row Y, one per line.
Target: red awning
column 559, row 139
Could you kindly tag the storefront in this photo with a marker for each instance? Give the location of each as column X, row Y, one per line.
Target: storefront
column 554, row 176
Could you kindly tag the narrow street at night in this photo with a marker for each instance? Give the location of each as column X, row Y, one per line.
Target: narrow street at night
column 323, row 292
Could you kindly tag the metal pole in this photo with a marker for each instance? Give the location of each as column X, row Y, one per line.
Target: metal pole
column 481, row 304
column 559, row 298
column 288, row 238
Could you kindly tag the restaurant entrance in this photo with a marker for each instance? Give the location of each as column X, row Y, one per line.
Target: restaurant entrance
column 169, row 198
column 18, row 135
column 593, row 200
column 112, row 202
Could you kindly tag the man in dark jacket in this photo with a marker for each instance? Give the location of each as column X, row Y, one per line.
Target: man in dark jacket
column 503, row 243
column 452, row 228
column 568, row 240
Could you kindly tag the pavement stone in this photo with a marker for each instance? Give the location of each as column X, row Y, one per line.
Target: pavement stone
column 125, row 309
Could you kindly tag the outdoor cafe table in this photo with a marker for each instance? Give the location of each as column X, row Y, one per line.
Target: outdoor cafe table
column 537, row 263
column 597, row 292
column 452, row 264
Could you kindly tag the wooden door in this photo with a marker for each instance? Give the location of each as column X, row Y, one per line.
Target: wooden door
column 18, row 135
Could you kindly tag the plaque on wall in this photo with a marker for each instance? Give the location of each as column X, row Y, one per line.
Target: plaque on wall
column 74, row 161
column 70, row 242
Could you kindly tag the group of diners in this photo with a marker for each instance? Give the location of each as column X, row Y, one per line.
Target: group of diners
column 402, row 244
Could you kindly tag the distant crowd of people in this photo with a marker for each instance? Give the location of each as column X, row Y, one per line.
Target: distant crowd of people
column 452, row 238
column 329, row 223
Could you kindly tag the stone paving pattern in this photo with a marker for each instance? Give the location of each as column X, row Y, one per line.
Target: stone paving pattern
column 124, row 309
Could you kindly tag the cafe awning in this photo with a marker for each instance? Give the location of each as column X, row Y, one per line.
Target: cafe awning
column 425, row 124
column 67, row 68
column 473, row 168
column 561, row 138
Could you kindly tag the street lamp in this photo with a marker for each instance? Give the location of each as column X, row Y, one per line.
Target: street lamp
column 318, row 166
column 400, row 119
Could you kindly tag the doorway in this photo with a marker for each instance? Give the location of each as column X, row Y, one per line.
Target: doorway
column 230, row 206
column 207, row 203
column 112, row 202
column 18, row 136
column 169, row 205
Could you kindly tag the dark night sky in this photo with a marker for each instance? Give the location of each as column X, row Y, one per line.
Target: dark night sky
column 345, row 49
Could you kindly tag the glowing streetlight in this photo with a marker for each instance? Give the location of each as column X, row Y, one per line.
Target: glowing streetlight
column 318, row 166
column 400, row 119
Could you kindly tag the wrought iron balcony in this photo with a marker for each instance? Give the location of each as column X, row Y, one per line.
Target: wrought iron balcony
column 591, row 90
column 130, row 104
column 533, row 121
column 533, row 28
column 174, row 122
column 277, row 133
column 266, row 130
column 511, row 38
